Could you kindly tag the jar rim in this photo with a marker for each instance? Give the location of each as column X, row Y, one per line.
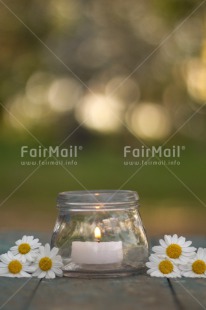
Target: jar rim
column 93, row 199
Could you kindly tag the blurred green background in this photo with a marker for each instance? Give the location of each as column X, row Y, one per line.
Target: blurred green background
column 102, row 75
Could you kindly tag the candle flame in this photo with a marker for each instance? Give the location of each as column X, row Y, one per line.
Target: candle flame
column 97, row 233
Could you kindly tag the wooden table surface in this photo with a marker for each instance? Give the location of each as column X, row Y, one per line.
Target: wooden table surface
column 130, row 293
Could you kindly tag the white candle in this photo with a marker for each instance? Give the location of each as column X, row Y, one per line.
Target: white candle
column 97, row 252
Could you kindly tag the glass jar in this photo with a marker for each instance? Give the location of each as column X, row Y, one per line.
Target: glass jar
column 100, row 233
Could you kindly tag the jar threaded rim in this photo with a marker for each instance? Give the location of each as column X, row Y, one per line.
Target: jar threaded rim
column 104, row 199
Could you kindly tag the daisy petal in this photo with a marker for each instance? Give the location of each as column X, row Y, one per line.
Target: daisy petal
column 186, row 244
column 167, row 239
column 54, row 252
column 163, row 244
column 175, row 239
column 47, row 249
column 158, row 249
column 156, row 273
column 24, row 238
column 181, row 240
column 51, row 274
column 200, row 253
column 58, row 272
column 42, row 275
column 25, row 274
column 189, row 249
column 36, row 273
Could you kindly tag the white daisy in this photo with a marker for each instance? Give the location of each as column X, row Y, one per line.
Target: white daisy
column 11, row 266
column 175, row 248
column 162, row 267
column 197, row 267
column 26, row 248
column 48, row 264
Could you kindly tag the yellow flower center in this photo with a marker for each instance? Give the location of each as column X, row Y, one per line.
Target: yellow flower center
column 166, row 267
column 174, row 251
column 24, row 248
column 45, row 263
column 14, row 266
column 199, row 267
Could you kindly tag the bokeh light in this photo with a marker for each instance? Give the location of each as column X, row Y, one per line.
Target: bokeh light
column 100, row 113
column 63, row 94
column 64, row 12
column 149, row 121
column 37, row 87
column 125, row 89
column 196, row 79
column 145, row 64
column 23, row 113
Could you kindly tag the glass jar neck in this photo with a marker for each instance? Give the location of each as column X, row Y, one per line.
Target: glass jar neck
column 97, row 200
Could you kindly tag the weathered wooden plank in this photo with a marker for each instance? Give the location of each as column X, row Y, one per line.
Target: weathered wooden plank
column 191, row 293
column 137, row 292
column 16, row 293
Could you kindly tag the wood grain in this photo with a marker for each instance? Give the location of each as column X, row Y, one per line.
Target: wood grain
column 130, row 293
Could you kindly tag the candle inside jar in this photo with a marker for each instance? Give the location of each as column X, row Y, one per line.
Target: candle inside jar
column 97, row 252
